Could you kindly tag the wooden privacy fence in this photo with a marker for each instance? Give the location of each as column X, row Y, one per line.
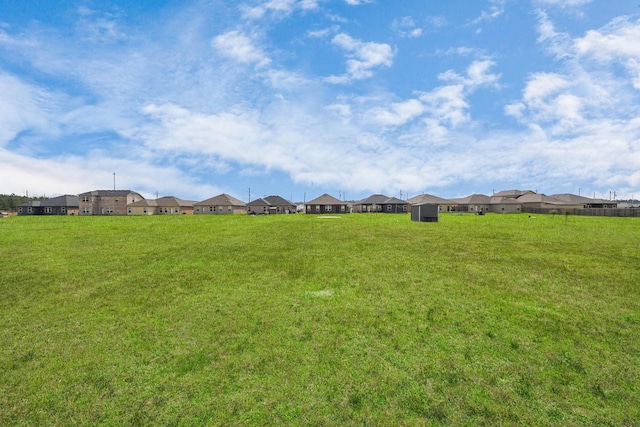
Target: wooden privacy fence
column 620, row 212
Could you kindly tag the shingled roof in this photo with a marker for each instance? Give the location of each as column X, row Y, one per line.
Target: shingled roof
column 326, row 199
column 221, row 200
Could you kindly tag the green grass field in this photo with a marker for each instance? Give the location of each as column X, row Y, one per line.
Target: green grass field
column 369, row 319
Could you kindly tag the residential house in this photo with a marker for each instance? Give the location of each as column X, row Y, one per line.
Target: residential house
column 271, row 205
column 107, row 202
column 504, row 204
column 373, row 203
column 478, row 203
column 326, row 204
column 258, row 207
column 143, row 207
column 514, row 194
column 169, row 205
column 61, row 205
column 446, row 205
column 586, row 202
column 221, row 204
column 395, row 205
column 542, row 201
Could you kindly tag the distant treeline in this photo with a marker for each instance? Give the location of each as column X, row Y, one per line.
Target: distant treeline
column 9, row 202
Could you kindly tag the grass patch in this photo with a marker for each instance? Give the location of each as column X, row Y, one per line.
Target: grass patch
column 292, row 319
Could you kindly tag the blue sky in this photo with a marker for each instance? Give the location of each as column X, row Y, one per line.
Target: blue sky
column 302, row 97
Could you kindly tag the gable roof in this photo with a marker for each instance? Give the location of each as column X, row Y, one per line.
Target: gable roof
column 65, row 201
column 430, row 199
column 512, row 193
column 259, row 202
column 474, row 199
column 574, row 199
column 541, row 198
column 395, row 201
column 326, row 199
column 174, row 201
column 374, row 199
column 221, row 200
column 108, row 193
column 503, row 200
column 277, row 201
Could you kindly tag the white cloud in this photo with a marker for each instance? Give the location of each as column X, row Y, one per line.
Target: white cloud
column 496, row 9
column 24, row 108
column 363, row 57
column 357, row 2
column 563, row 3
column 277, row 7
column 406, row 27
column 239, row 47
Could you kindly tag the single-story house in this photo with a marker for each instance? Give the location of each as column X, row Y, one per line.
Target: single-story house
column 326, row 204
column 473, row 203
column 373, row 203
column 61, row 205
column 220, row 205
column 428, row 199
column 504, row 204
column 170, row 205
column 142, row 207
column 542, row 201
column 271, row 205
column 587, row 202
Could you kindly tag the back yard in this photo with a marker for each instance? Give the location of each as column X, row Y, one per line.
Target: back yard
column 301, row 320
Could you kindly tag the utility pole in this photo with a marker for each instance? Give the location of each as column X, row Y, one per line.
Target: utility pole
column 249, row 193
column 114, row 181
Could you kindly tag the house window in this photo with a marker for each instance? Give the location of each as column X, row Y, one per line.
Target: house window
column 129, row 210
column 116, row 200
column 109, row 210
column 85, row 199
column 389, row 208
column 317, row 208
column 144, row 210
column 85, row 210
column 220, row 209
column 177, row 210
column 19, row 210
column 342, row 208
column 166, row 210
column 29, row 209
column 229, row 209
column 327, row 208
column 404, row 208
column 63, row 210
column 212, row 208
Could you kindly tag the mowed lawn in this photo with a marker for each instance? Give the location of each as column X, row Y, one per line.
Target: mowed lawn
column 366, row 319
